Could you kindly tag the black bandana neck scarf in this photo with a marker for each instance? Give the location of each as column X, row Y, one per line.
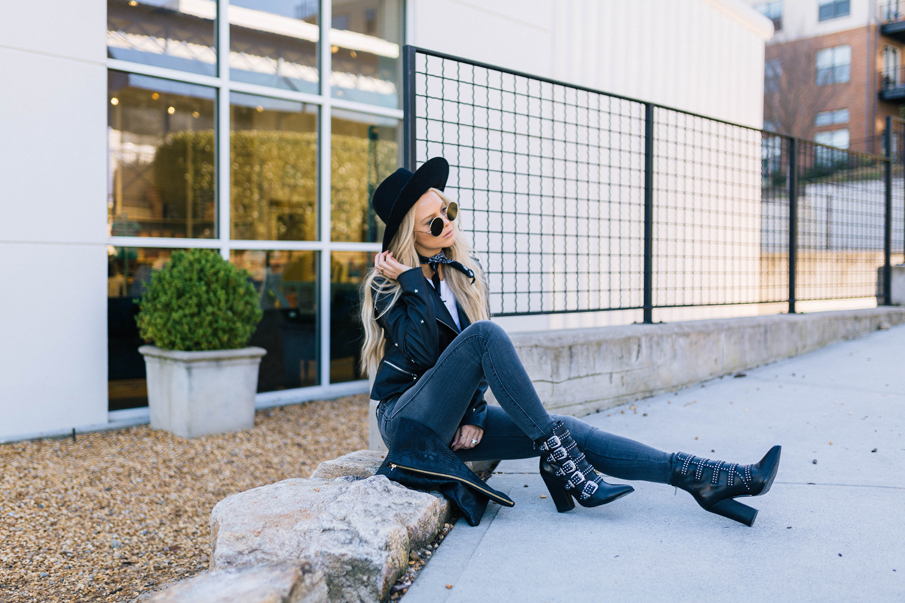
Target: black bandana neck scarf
column 440, row 258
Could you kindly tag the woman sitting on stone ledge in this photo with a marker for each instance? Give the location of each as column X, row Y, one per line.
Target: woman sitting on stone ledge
column 433, row 351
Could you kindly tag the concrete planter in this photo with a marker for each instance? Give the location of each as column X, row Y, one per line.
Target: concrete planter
column 193, row 394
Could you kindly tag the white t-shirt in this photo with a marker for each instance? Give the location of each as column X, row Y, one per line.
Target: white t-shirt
column 449, row 299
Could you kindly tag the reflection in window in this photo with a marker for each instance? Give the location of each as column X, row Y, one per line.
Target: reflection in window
column 129, row 271
column 161, row 143
column 273, row 180
column 366, row 38
column 175, row 35
column 365, row 149
column 286, row 282
column 274, row 44
column 347, row 269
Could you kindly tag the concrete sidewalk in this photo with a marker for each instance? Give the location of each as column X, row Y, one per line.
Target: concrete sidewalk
column 830, row 531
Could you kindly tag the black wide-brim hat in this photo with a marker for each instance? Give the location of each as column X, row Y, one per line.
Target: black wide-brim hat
column 399, row 191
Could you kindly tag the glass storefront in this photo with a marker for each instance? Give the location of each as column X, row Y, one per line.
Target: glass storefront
column 274, row 43
column 347, row 269
column 366, row 46
column 163, row 33
column 366, row 149
column 286, row 282
column 273, row 180
column 262, row 205
column 161, row 144
column 129, row 271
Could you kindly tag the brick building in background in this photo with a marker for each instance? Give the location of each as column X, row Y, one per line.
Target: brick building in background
column 833, row 70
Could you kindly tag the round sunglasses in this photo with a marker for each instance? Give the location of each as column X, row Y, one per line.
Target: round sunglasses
column 437, row 225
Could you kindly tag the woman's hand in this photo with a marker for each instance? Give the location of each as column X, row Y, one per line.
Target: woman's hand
column 467, row 436
column 387, row 265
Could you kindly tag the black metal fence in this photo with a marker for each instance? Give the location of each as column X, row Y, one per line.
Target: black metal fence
column 580, row 201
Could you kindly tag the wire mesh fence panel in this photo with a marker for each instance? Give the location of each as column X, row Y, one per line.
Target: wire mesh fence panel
column 841, row 221
column 550, row 180
column 558, row 185
column 897, row 190
column 720, row 234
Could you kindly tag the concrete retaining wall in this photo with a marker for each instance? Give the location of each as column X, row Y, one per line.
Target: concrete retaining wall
column 580, row 371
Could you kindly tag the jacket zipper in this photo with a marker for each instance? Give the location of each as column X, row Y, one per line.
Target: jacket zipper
column 449, row 326
column 458, row 479
column 413, row 375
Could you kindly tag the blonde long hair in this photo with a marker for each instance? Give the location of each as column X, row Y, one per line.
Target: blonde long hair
column 472, row 297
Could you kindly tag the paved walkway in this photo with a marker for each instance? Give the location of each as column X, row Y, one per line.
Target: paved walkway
column 830, row 531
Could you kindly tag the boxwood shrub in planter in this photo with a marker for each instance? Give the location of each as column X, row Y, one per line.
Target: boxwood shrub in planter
column 199, row 311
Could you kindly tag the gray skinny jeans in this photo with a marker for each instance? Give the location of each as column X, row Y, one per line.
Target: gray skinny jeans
column 483, row 349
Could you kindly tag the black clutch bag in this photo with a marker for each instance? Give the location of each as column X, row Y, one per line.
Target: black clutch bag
column 419, row 460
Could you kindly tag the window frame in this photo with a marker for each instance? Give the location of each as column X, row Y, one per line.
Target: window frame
column 222, row 241
column 835, row 68
column 835, row 10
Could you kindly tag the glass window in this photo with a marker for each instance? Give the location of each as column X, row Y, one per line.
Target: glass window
column 129, row 271
column 773, row 11
column 831, row 9
column 891, row 73
column 274, row 43
column 833, row 65
column 286, row 282
column 366, row 39
column 161, row 166
column 829, row 118
column 175, row 35
column 347, row 269
column 834, row 138
column 772, row 75
column 366, row 149
column 273, row 176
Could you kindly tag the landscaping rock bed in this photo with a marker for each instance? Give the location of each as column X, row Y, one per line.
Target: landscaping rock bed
column 116, row 514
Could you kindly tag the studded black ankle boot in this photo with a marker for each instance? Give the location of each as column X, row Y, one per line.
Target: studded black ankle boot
column 567, row 473
column 714, row 484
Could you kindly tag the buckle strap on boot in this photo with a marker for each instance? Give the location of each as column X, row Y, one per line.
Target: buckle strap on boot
column 716, row 466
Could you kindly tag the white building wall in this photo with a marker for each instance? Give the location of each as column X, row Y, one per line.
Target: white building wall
column 53, row 298
column 704, row 56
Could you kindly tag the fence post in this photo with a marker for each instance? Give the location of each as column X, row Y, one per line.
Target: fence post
column 887, row 221
column 408, row 107
column 793, row 220
column 648, row 213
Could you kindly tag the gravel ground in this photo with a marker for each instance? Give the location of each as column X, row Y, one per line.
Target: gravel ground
column 118, row 513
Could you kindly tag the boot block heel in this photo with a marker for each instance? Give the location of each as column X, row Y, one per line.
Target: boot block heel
column 561, row 498
column 735, row 510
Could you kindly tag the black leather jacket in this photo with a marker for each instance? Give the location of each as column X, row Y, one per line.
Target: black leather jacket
column 417, row 329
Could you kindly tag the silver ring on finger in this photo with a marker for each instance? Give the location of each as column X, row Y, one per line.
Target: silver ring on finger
column 473, row 442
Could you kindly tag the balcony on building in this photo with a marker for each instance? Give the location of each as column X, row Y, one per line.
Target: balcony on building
column 892, row 85
column 892, row 19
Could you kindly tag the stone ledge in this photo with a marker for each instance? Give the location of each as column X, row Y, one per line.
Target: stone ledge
column 580, row 371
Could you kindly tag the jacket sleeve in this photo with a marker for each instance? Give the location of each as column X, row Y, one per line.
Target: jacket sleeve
column 411, row 322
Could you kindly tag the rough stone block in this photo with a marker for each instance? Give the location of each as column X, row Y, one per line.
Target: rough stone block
column 360, row 464
column 285, row 582
column 358, row 532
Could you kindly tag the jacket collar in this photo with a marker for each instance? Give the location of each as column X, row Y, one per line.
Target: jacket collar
column 442, row 312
